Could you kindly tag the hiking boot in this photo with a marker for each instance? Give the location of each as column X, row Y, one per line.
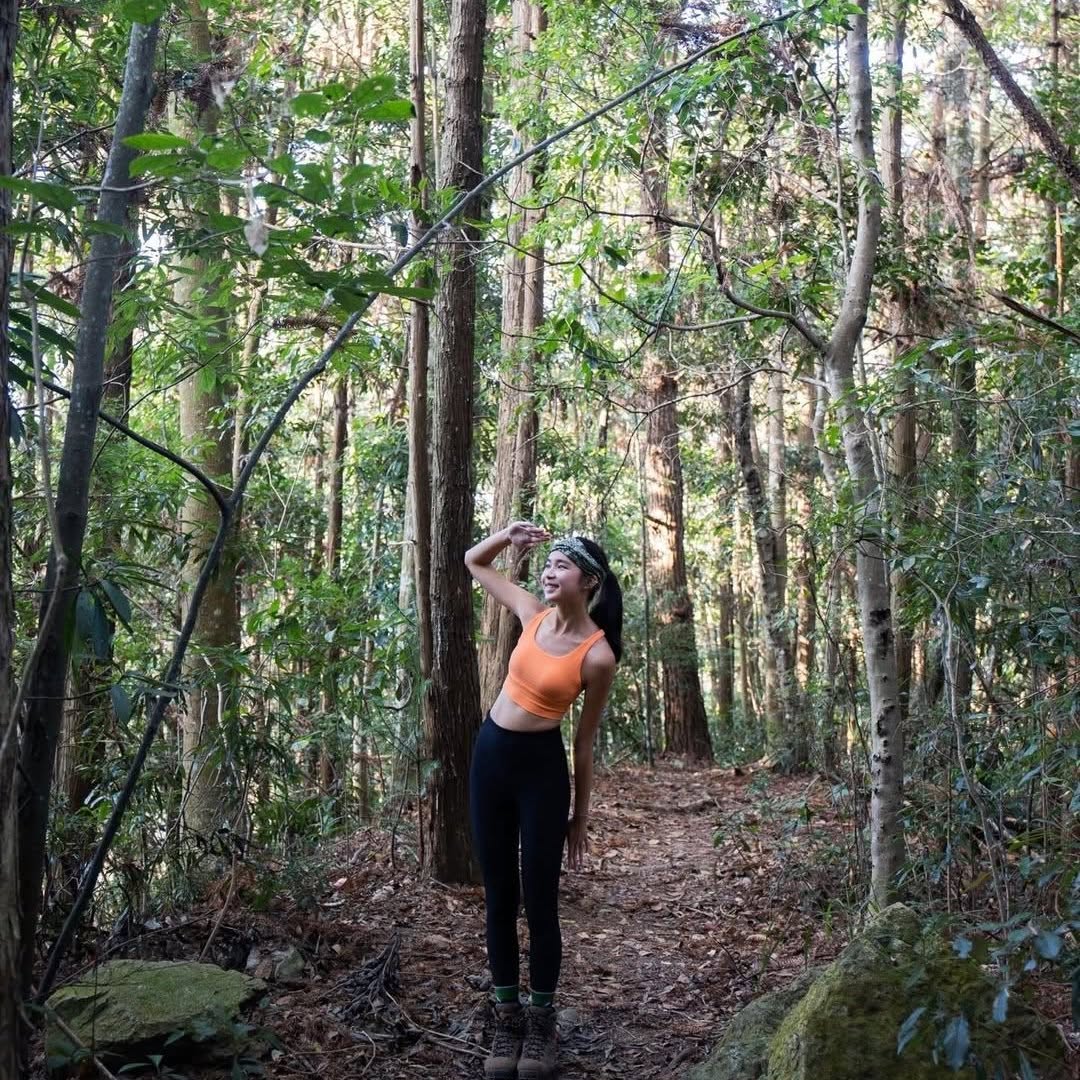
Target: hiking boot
column 502, row 1062
column 541, row 1044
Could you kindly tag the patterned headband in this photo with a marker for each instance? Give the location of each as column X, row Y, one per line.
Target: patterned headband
column 578, row 553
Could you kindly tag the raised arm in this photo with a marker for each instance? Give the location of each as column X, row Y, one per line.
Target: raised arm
column 523, row 535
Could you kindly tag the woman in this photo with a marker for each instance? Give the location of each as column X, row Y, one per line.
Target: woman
column 519, row 783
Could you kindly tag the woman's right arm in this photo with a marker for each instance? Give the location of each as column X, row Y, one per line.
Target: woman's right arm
column 479, row 558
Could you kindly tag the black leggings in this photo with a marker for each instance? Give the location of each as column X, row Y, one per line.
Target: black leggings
column 520, row 785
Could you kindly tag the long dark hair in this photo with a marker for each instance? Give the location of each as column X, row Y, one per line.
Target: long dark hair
column 605, row 606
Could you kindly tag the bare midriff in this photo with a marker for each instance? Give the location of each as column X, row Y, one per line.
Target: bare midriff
column 508, row 714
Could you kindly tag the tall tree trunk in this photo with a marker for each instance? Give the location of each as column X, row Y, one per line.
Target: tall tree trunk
column 455, row 680
column 783, row 742
column 903, row 433
column 209, row 804
column 83, row 741
column 330, row 755
column 419, row 481
column 46, row 691
column 875, row 602
column 685, row 725
column 11, row 1033
column 522, row 312
column 806, row 619
column 725, row 616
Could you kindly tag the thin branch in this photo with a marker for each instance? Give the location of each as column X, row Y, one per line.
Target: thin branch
column 1060, row 153
column 157, row 448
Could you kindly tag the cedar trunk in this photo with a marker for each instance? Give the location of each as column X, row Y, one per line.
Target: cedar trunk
column 686, row 728
column 455, row 681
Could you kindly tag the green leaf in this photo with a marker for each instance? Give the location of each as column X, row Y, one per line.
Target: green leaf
column 121, row 703
column 962, row 947
column 120, row 603
column 143, row 11
column 956, row 1042
column 1001, row 1005
column 399, row 109
column 1026, row 1071
column 907, row 1029
column 157, row 165
column 309, row 103
column 54, row 195
column 206, row 379
column 1048, row 944
column 157, row 140
column 227, row 158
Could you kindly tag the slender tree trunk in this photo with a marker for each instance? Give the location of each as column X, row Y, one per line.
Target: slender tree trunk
column 903, row 433
column 875, row 601
column 1059, row 152
column 330, row 763
column 455, row 681
column 725, row 617
column 11, row 1033
column 685, row 725
column 522, row 313
column 209, row 802
column 45, row 699
column 419, row 483
column 782, row 740
column 806, row 620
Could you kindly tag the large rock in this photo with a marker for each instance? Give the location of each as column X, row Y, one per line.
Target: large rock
column 742, row 1052
column 845, row 1025
column 127, row 1009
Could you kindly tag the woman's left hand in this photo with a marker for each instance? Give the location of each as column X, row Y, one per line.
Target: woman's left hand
column 577, row 843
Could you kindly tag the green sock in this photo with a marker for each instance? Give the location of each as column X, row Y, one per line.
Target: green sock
column 505, row 994
column 537, row 998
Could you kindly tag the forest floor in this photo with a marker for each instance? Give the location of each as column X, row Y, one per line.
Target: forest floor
column 702, row 890
column 665, row 934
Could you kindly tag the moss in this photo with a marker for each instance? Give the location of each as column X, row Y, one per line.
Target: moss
column 129, row 1008
column 846, row 1025
column 741, row 1053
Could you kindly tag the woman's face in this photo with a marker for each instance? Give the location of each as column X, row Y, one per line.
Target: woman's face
column 562, row 578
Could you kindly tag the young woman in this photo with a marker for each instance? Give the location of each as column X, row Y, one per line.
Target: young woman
column 520, row 784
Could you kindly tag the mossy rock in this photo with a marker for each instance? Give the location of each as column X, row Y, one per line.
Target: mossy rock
column 741, row 1053
column 846, row 1025
column 126, row 1010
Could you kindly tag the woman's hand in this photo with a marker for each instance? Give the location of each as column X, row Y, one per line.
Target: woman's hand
column 577, row 843
column 524, row 534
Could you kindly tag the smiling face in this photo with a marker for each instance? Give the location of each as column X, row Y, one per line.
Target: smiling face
column 563, row 579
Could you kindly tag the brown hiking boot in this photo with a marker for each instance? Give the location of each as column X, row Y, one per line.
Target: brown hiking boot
column 502, row 1062
column 540, row 1051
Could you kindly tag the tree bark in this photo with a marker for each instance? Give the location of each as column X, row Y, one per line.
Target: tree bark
column 783, row 743
column 522, row 312
column 685, row 725
column 875, row 603
column 46, row 693
column 209, row 804
column 455, row 681
column 11, row 1030
column 1059, row 152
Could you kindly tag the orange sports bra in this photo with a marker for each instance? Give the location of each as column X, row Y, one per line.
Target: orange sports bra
column 539, row 682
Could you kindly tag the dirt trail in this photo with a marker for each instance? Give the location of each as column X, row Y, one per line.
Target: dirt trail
column 665, row 935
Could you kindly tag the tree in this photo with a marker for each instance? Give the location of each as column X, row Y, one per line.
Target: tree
column 522, row 314
column 685, row 727
column 10, row 981
column 455, row 681
column 203, row 293
column 48, row 670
